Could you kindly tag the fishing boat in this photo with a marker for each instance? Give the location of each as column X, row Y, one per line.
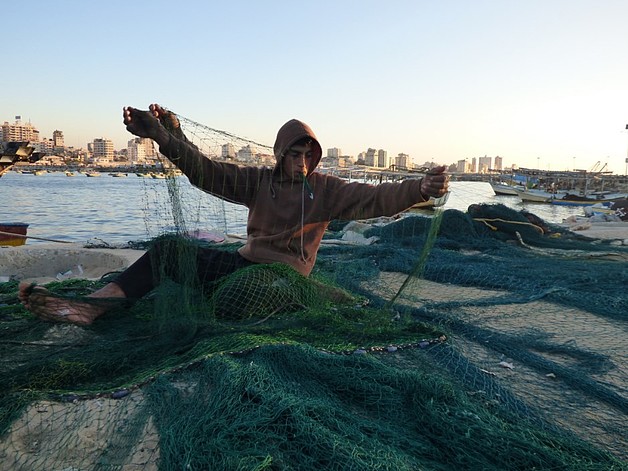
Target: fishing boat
column 505, row 189
column 537, row 196
column 92, row 174
column 13, row 233
column 594, row 198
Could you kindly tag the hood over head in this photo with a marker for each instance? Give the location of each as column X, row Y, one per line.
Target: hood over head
column 291, row 132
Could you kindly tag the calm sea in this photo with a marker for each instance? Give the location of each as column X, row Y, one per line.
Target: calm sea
column 118, row 210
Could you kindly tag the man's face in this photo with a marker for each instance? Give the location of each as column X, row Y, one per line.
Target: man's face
column 297, row 161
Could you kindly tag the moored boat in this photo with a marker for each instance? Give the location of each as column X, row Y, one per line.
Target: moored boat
column 505, row 189
column 13, row 233
column 577, row 200
column 537, row 196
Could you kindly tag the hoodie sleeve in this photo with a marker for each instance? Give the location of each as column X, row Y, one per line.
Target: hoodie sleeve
column 225, row 180
column 363, row 201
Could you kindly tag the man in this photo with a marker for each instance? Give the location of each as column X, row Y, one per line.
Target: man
column 290, row 207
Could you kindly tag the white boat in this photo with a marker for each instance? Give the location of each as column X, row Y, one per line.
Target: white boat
column 501, row 188
column 537, row 196
column 92, row 174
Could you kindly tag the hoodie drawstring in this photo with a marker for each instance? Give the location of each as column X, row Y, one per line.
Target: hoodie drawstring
column 303, row 218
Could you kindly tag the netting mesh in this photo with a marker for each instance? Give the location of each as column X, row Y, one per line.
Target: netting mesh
column 479, row 340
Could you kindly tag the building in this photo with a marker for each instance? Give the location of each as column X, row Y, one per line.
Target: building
column 499, row 163
column 382, row 159
column 102, row 151
column 403, row 161
column 19, row 132
column 45, row 146
column 228, row 152
column 141, row 150
column 247, row 154
column 462, row 166
column 58, row 144
column 370, row 158
column 484, row 164
column 334, row 153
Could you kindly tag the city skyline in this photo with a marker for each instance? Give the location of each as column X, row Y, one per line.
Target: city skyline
column 104, row 148
column 540, row 83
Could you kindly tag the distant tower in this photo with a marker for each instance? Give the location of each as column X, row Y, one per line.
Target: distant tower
column 228, row 151
column 403, row 161
column 58, row 144
column 382, row 159
column 334, row 152
column 484, row 164
column 499, row 164
column 369, row 158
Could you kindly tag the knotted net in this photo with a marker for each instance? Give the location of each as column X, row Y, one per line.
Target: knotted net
column 479, row 340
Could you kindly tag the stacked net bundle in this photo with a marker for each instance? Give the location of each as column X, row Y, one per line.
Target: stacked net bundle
column 485, row 339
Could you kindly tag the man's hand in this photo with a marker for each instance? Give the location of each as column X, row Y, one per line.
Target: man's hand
column 166, row 117
column 435, row 183
column 145, row 124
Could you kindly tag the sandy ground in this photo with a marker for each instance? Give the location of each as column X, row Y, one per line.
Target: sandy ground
column 43, row 263
column 600, row 230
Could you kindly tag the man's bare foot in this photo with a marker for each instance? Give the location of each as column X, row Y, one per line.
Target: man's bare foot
column 50, row 307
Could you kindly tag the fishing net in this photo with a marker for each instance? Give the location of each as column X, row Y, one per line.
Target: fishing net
column 486, row 339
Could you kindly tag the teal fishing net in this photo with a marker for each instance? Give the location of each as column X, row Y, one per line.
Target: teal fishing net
column 486, row 339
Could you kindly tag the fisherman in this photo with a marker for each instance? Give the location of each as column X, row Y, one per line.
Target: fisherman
column 290, row 207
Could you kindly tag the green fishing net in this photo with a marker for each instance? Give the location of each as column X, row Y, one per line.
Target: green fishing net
column 454, row 341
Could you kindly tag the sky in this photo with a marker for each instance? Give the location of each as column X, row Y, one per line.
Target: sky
column 541, row 83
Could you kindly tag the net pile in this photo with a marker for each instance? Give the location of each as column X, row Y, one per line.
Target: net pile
column 479, row 340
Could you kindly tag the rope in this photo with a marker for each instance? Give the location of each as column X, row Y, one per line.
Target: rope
column 33, row 237
column 486, row 221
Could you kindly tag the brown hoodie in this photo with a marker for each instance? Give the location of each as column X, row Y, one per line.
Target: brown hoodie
column 288, row 218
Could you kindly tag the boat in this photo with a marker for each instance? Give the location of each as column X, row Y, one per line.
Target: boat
column 69, row 174
column 505, row 189
column 92, row 174
column 595, row 198
column 537, row 196
column 13, row 233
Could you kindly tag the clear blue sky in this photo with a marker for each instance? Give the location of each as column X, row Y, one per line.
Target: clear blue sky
column 538, row 82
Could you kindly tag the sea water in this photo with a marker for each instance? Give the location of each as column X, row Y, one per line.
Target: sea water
column 116, row 211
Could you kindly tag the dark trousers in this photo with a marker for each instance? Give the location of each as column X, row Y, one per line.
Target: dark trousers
column 182, row 262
